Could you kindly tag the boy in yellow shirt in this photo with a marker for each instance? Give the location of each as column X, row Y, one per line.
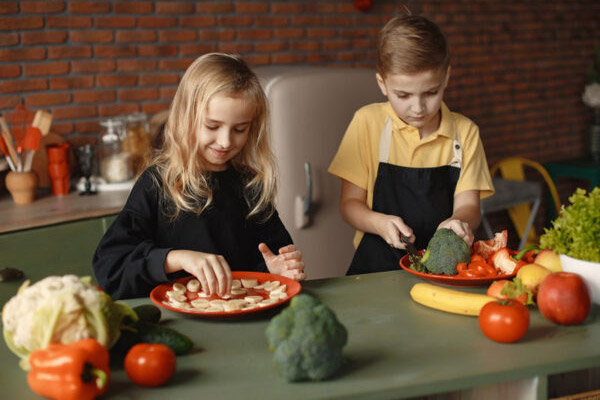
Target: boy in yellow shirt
column 409, row 166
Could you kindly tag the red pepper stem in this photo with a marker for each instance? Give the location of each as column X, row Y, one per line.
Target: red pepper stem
column 89, row 373
column 524, row 251
column 101, row 377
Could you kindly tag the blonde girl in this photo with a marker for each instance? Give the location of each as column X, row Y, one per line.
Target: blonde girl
column 205, row 204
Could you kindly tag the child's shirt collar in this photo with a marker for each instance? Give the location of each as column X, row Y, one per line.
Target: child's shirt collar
column 447, row 127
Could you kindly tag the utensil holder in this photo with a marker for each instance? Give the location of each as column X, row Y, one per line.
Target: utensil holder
column 21, row 186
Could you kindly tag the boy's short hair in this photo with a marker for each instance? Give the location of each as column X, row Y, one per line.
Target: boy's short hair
column 409, row 44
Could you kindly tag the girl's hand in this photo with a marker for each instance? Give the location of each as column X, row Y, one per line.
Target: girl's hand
column 390, row 227
column 459, row 227
column 212, row 270
column 288, row 263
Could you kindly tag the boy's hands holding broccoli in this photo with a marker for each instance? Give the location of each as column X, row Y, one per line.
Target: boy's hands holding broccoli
column 287, row 263
column 459, row 227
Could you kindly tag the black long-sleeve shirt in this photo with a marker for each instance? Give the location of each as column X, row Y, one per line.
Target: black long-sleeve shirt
column 130, row 259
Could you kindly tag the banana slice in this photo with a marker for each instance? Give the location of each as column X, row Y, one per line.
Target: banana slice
column 217, row 303
column 178, row 287
column 226, row 296
column 239, row 302
column 249, row 306
column 193, row 285
column 279, row 289
column 237, row 292
column 203, row 294
column 176, row 295
column 231, row 307
column 253, row 299
column 267, row 302
column 200, row 303
column 236, row 284
column 213, row 309
column 278, row 295
column 177, row 304
column 249, row 283
column 272, row 285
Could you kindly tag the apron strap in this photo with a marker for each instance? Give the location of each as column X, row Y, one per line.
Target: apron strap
column 386, row 140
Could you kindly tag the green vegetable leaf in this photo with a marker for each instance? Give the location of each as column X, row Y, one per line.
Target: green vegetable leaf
column 576, row 231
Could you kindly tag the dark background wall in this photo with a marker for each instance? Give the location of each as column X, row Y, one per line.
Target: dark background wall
column 519, row 66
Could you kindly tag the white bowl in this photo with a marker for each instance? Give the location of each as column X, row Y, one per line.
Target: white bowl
column 589, row 271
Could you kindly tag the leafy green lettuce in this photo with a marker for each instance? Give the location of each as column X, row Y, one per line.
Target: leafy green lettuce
column 576, row 231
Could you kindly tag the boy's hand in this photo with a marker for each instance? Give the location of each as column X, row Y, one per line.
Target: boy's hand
column 459, row 227
column 391, row 228
column 288, row 263
column 211, row 270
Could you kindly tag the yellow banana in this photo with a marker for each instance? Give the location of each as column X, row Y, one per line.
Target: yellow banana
column 449, row 300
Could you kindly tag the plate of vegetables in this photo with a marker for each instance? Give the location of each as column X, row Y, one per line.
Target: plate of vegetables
column 251, row 292
column 449, row 260
column 485, row 278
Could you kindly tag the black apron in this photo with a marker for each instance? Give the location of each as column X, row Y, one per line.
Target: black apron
column 423, row 197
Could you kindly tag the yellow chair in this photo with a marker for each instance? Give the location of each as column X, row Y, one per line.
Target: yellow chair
column 513, row 168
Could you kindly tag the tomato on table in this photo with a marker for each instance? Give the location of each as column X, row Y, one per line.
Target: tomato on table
column 505, row 289
column 150, row 364
column 505, row 321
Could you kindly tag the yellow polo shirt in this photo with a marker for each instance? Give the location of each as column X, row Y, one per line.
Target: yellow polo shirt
column 357, row 157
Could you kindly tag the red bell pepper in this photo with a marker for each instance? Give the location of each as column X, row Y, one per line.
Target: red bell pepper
column 76, row 371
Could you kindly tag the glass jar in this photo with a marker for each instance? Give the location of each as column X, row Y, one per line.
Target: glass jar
column 137, row 140
column 115, row 162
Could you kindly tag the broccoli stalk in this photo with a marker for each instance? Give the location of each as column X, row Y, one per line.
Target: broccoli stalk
column 307, row 340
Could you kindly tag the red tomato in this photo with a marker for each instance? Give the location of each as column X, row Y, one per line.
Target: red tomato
column 564, row 298
column 495, row 290
column 504, row 321
column 150, row 364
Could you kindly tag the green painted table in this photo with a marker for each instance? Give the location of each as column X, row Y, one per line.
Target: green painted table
column 396, row 349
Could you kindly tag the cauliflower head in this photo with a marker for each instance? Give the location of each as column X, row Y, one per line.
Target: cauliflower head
column 307, row 340
column 444, row 251
column 60, row 309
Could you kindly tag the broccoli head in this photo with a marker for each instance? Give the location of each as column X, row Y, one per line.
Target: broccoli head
column 307, row 339
column 444, row 251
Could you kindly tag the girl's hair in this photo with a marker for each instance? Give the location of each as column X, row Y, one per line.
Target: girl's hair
column 409, row 44
column 183, row 173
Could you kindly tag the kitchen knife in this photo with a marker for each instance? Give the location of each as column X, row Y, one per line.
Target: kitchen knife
column 413, row 254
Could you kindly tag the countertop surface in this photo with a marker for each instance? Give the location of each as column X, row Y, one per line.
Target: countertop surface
column 396, row 349
column 48, row 210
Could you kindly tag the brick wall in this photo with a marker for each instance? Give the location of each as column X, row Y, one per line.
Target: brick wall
column 519, row 67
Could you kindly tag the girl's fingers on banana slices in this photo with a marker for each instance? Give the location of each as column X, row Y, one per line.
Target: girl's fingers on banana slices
column 245, row 294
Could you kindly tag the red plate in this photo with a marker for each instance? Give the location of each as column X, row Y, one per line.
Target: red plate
column 453, row 280
column 159, row 294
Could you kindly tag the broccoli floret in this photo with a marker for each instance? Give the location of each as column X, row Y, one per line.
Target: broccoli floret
column 307, row 339
column 444, row 251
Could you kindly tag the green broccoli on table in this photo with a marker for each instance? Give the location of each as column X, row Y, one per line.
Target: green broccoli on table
column 307, row 339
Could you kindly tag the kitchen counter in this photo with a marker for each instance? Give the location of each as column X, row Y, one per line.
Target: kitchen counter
column 396, row 349
column 48, row 210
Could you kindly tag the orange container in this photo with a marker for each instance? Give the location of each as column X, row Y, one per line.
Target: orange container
column 58, row 168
